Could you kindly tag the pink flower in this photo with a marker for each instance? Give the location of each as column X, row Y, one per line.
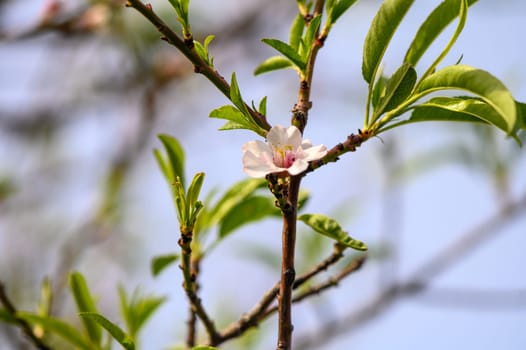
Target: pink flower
column 284, row 151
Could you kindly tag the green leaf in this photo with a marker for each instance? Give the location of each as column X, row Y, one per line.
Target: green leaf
column 287, row 51
column 116, row 332
column 58, row 327
column 176, row 157
column 462, row 109
column 159, row 263
column 435, row 23
column 478, row 82
column 6, row 316
column 237, row 193
column 235, row 96
column 262, row 108
column 204, row 347
column 521, row 111
column 378, row 90
column 310, row 35
column 397, row 89
column 137, row 310
column 194, row 189
column 296, row 31
column 272, row 64
column 380, row 33
column 339, row 9
column 330, row 228
column 230, row 113
column 85, row 303
column 249, row 209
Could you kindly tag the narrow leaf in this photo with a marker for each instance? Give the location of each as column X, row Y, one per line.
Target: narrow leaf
column 296, row 31
column 380, row 33
column 85, row 303
column 230, row 113
column 287, row 51
column 116, row 332
column 521, row 111
column 237, row 193
column 58, row 327
column 272, row 64
column 262, row 108
column 235, row 95
column 339, row 9
column 310, row 35
column 463, row 109
column 435, row 23
column 330, row 228
column 176, row 157
column 194, row 189
column 478, row 82
column 161, row 262
column 204, row 347
column 248, row 210
column 397, row 89
column 163, row 165
column 137, row 310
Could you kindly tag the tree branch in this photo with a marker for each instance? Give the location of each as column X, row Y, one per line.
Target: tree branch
column 26, row 327
column 200, row 66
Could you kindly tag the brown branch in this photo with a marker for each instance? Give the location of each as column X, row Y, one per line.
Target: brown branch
column 333, row 281
column 418, row 282
column 300, row 111
column 190, row 285
column 260, row 311
column 288, row 273
column 26, row 327
column 200, row 66
column 350, row 145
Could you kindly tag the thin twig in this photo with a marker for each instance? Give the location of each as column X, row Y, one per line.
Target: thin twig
column 333, row 281
column 260, row 311
column 26, row 327
column 200, row 66
column 190, row 286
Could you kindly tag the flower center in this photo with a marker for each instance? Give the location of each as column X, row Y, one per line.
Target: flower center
column 283, row 156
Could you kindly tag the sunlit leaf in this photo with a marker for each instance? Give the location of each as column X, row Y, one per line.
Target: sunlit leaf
column 58, row 327
column 463, row 109
column 137, row 310
column 262, row 108
column 85, row 303
column 159, row 263
column 176, row 157
column 478, row 82
column 310, row 35
column 339, row 8
column 435, row 23
column 249, row 209
column 397, row 89
column 233, row 196
column 194, row 189
column 380, row 33
column 204, row 347
column 330, row 228
column 273, row 63
column 287, row 51
column 296, row 31
column 116, row 332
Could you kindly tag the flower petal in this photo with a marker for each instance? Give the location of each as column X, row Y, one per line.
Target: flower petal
column 298, row 166
column 257, row 159
column 314, row 153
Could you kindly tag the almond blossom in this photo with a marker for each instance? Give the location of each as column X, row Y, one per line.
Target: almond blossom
column 284, row 151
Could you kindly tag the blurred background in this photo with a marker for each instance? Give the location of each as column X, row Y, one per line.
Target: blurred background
column 85, row 87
